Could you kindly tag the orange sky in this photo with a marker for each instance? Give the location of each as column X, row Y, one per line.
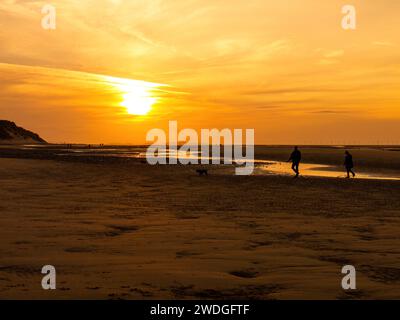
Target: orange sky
column 285, row 68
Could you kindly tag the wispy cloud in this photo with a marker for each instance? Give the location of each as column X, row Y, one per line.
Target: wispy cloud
column 384, row 44
column 226, row 63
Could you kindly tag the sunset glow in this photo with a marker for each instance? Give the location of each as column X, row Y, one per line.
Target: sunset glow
column 116, row 69
column 138, row 102
column 138, row 97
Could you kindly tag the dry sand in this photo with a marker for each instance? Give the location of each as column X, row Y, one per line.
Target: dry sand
column 133, row 231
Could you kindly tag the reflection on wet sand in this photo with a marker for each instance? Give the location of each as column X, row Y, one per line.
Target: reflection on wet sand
column 263, row 166
column 315, row 170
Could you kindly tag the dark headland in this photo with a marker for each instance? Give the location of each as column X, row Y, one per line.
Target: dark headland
column 10, row 133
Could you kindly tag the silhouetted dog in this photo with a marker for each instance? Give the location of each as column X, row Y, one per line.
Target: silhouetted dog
column 202, row 172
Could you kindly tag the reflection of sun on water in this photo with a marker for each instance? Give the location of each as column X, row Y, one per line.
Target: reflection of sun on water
column 138, row 97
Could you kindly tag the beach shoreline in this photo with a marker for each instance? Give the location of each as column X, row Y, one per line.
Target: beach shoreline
column 134, row 231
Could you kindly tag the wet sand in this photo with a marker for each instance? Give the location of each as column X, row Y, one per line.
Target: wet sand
column 264, row 167
column 126, row 230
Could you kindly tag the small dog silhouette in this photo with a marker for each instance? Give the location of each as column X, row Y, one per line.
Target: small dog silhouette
column 202, row 172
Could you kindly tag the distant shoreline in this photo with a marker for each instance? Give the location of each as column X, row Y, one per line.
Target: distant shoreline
column 376, row 159
column 99, row 145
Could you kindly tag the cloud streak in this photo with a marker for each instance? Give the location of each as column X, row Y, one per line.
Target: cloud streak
column 251, row 63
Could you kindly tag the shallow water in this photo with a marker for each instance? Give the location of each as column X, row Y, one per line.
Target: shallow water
column 315, row 170
column 262, row 167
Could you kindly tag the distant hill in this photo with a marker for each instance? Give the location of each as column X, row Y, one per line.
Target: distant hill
column 10, row 133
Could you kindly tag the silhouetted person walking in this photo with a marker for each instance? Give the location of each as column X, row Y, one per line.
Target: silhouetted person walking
column 349, row 165
column 295, row 158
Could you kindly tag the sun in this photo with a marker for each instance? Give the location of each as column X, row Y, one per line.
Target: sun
column 137, row 97
column 138, row 102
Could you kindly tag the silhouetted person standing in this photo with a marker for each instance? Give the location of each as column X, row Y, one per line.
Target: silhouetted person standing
column 349, row 165
column 295, row 158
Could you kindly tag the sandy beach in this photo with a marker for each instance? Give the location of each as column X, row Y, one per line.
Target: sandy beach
column 119, row 229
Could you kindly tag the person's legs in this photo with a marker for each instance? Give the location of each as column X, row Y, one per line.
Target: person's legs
column 350, row 170
column 295, row 168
